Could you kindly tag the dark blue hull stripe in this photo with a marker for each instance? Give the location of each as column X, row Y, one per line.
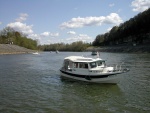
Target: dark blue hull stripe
column 91, row 76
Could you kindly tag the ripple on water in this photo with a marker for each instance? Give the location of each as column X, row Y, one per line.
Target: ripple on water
column 31, row 83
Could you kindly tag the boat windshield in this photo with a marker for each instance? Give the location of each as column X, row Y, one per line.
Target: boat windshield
column 93, row 64
column 97, row 63
column 100, row 63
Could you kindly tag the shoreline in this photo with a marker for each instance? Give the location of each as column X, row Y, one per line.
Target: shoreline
column 14, row 49
column 10, row 53
column 122, row 49
column 7, row 49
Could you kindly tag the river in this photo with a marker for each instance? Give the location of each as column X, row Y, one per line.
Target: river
column 32, row 84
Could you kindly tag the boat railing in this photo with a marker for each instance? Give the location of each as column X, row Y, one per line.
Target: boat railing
column 118, row 67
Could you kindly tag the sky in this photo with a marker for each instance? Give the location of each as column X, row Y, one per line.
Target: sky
column 67, row 21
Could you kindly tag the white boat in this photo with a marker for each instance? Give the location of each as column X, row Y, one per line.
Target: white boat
column 91, row 70
column 57, row 51
column 36, row 53
column 94, row 53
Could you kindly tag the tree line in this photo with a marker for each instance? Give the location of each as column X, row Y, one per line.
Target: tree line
column 134, row 31
column 10, row 36
column 75, row 46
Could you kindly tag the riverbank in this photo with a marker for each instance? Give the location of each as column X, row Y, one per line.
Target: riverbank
column 122, row 49
column 13, row 49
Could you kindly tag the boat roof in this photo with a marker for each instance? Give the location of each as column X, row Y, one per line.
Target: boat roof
column 82, row 59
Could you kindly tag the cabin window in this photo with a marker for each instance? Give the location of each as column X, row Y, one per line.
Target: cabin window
column 93, row 64
column 99, row 63
column 83, row 65
column 80, row 65
column 70, row 64
column 75, row 65
column 86, row 66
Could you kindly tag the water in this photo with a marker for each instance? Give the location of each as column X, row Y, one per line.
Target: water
column 32, row 84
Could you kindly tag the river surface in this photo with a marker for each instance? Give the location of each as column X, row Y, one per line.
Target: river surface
column 32, row 84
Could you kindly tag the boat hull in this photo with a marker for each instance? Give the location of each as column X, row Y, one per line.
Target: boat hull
column 102, row 78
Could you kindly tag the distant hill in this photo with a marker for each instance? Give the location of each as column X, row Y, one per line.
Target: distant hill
column 135, row 31
column 13, row 49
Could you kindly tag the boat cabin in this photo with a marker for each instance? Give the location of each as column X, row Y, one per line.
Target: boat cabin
column 74, row 63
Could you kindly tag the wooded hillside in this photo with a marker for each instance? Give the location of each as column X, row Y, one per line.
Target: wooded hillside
column 135, row 31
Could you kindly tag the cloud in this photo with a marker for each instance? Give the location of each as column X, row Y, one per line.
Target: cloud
column 34, row 36
column 22, row 27
column 113, row 18
column 71, row 32
column 48, row 37
column 0, row 23
column 72, row 38
column 80, row 37
column 140, row 5
column 46, row 34
column 23, row 17
column 79, row 22
column 53, row 41
column 54, row 34
column 111, row 5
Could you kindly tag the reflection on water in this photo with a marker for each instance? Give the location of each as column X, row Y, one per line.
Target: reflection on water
column 32, row 83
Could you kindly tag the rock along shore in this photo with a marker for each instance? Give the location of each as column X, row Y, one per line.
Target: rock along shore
column 122, row 49
column 13, row 49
